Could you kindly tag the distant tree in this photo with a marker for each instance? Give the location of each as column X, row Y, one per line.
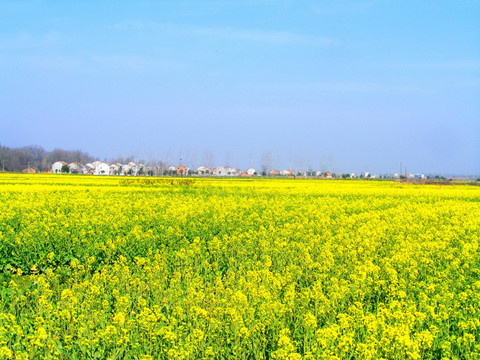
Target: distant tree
column 150, row 172
column 65, row 169
column 140, row 172
column 190, row 172
column 266, row 161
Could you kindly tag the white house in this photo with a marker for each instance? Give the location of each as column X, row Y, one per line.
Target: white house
column 203, row 170
column 74, row 168
column 115, row 169
column 251, row 172
column 235, row 172
column 141, row 167
column 222, row 171
column 125, row 169
column 133, row 167
column 287, row 173
column 57, row 166
column 102, row 169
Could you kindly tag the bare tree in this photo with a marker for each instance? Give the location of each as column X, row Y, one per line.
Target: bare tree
column 266, row 161
column 208, row 159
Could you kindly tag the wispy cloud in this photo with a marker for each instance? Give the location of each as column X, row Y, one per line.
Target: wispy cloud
column 344, row 87
column 272, row 37
column 366, row 87
column 447, row 65
column 53, row 61
column 24, row 40
column 136, row 62
column 278, row 37
column 343, row 6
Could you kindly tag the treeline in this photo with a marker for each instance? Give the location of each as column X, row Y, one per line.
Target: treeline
column 36, row 157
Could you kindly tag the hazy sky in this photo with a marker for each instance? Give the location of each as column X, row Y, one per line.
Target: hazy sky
column 347, row 85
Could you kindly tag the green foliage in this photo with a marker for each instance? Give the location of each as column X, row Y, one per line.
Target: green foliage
column 141, row 268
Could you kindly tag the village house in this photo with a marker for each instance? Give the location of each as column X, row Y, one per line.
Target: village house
column 203, row 170
column 235, row 172
column 101, row 168
column 125, row 169
column 133, row 167
column 222, row 171
column 57, row 166
column 287, row 173
column 74, row 168
column 251, row 172
column 115, row 169
column 181, row 170
column 89, row 167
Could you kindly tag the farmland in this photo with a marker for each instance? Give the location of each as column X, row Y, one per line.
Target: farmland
column 237, row 269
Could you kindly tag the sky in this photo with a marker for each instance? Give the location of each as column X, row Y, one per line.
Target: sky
column 345, row 86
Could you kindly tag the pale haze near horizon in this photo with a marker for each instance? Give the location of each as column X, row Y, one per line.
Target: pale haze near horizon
column 332, row 85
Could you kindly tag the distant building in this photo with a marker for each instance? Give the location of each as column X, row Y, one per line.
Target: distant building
column 203, row 170
column 74, row 168
column 222, row 171
column 29, row 171
column 116, row 169
column 101, row 168
column 57, row 166
column 251, row 172
column 88, row 168
column 287, row 173
column 235, row 172
column 181, row 170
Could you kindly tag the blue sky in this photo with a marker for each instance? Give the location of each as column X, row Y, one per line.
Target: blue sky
column 344, row 85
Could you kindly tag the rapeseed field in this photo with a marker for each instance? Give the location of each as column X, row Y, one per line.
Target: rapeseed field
column 121, row 268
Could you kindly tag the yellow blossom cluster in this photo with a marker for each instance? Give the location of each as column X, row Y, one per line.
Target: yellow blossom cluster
column 98, row 268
